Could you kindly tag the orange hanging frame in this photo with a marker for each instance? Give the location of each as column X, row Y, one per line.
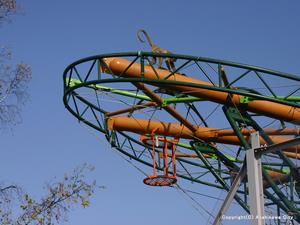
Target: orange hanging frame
column 165, row 144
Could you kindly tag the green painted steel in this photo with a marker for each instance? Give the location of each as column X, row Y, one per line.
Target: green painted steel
column 246, row 99
column 75, row 82
column 219, row 178
column 93, row 113
column 166, row 101
column 69, row 89
column 235, row 117
column 187, row 57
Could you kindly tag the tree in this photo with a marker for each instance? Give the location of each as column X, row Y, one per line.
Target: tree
column 61, row 196
column 13, row 79
column 7, row 9
column 17, row 206
column 13, row 88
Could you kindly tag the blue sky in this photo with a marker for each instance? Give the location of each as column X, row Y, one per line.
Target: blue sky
column 49, row 35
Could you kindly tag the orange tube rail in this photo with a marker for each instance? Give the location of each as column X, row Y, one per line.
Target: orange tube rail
column 141, row 126
column 267, row 108
column 269, row 131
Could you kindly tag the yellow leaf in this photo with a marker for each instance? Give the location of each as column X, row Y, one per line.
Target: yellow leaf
column 85, row 204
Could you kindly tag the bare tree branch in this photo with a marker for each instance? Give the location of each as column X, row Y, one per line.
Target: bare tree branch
column 62, row 196
column 8, row 187
column 7, row 9
column 13, row 88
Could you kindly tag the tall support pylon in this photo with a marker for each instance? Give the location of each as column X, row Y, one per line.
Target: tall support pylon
column 255, row 182
column 253, row 169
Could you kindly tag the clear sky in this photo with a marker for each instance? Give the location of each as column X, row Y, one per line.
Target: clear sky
column 49, row 35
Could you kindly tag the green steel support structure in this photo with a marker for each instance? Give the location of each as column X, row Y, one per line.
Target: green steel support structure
column 91, row 111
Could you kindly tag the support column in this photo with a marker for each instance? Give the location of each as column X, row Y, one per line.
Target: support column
column 231, row 193
column 253, row 169
column 255, row 182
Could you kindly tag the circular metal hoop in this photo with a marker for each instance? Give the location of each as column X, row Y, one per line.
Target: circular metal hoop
column 160, row 180
column 159, row 141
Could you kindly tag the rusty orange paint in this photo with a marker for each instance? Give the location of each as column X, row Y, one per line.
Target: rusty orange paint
column 269, row 131
column 274, row 174
column 267, row 108
column 294, row 155
column 185, row 155
column 141, row 126
column 131, row 109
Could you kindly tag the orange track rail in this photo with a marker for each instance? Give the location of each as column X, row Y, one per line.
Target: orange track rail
column 140, row 126
column 267, row 108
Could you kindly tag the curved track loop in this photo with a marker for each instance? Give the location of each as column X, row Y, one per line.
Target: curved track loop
column 211, row 106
